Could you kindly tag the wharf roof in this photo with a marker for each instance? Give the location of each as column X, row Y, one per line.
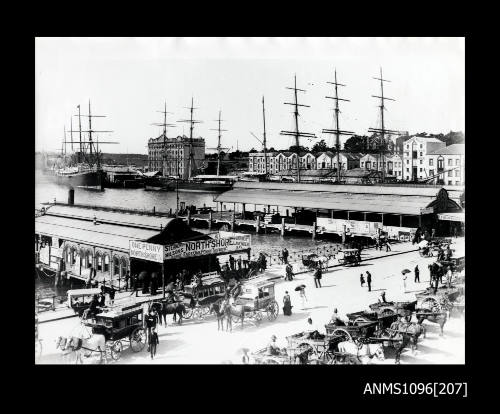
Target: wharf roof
column 376, row 199
column 109, row 217
column 109, row 236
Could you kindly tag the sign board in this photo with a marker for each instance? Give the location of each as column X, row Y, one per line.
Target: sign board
column 146, row 251
column 428, row 210
column 460, row 217
column 354, row 227
column 224, row 242
column 44, row 255
column 56, row 252
column 400, row 233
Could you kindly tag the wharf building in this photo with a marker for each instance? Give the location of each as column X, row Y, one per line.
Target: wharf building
column 170, row 156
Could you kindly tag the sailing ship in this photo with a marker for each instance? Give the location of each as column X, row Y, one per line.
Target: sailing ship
column 83, row 168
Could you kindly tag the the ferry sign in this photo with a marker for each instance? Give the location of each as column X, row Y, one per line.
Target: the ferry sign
column 146, row 251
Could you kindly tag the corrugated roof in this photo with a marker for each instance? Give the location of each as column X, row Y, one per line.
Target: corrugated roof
column 355, row 189
column 454, row 149
column 377, row 203
column 110, row 217
column 109, row 236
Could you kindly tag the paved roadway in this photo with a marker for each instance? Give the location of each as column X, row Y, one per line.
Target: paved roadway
column 201, row 342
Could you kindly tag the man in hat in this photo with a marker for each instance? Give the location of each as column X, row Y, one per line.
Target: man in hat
column 317, row 276
column 231, row 262
column 369, row 280
column 284, row 254
column 361, row 279
column 417, row 274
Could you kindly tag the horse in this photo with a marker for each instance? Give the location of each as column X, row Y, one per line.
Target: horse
column 401, row 342
column 363, row 352
column 83, row 347
column 414, row 330
column 230, row 310
column 164, row 309
column 219, row 309
column 439, row 318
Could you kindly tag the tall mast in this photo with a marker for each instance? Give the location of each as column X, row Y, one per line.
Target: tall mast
column 337, row 130
column 90, row 131
column 219, row 148
column 264, row 134
column 71, row 132
column 297, row 132
column 382, row 131
column 80, row 154
column 191, row 128
column 165, row 125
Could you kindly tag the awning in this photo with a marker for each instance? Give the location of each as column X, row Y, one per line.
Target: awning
column 460, row 217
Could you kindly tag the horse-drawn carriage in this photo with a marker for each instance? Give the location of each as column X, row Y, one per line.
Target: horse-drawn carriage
column 403, row 309
column 198, row 298
column 348, row 257
column 120, row 324
column 456, row 264
column 441, row 300
column 256, row 298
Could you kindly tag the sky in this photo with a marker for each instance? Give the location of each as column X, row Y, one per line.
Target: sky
column 129, row 79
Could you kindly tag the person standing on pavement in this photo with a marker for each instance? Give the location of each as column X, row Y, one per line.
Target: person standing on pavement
column 150, row 323
column 153, row 342
column 317, row 277
column 362, row 279
column 302, row 294
column 449, row 275
column 231, row 262
column 284, row 254
column 387, row 246
column 239, row 263
column 417, row 274
column 111, row 293
column 369, row 280
column 287, row 304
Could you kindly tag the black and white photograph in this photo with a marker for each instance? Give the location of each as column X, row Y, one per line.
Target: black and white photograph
column 249, row 201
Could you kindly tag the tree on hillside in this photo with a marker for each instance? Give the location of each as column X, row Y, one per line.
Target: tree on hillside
column 252, row 150
column 320, row 146
column 300, row 148
column 356, row 143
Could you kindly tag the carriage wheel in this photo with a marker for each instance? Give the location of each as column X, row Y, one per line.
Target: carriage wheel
column 188, row 312
column 342, row 333
column 205, row 310
column 137, row 339
column 272, row 311
column 235, row 319
column 116, row 349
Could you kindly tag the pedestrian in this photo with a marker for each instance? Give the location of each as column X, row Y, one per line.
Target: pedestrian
column 102, row 297
column 449, row 275
column 231, row 262
column 150, row 320
column 127, row 280
column 289, row 272
column 369, row 280
column 404, row 282
column 245, row 359
column 317, row 277
column 153, row 342
column 111, row 293
column 335, row 317
column 362, row 279
column 417, row 274
column 239, row 263
column 436, row 277
column 433, row 234
column 287, row 305
column 284, row 254
column 302, row 294
column 387, row 246
column 217, row 265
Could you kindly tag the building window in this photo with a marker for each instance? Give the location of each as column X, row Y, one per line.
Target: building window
column 116, row 266
column 421, row 146
column 421, row 169
column 99, row 262
column 457, row 173
column 450, row 162
column 407, row 170
column 421, row 154
column 407, row 162
column 421, row 161
column 449, row 182
column 106, row 263
column 450, row 173
column 431, row 162
column 431, row 172
column 414, row 154
column 407, row 147
column 457, row 162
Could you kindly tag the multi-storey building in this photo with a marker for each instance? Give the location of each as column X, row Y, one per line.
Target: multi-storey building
column 170, row 156
column 256, row 162
column 390, row 164
column 415, row 152
column 447, row 165
column 156, row 149
column 176, row 156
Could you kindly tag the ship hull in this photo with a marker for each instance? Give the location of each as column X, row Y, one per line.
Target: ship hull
column 86, row 179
